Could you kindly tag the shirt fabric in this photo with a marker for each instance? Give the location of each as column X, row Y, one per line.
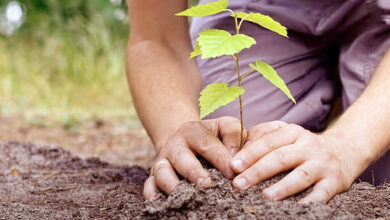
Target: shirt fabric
column 333, row 49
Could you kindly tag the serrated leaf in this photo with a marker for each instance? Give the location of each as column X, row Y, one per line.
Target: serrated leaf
column 216, row 95
column 211, row 8
column 271, row 75
column 215, row 43
column 196, row 51
column 264, row 21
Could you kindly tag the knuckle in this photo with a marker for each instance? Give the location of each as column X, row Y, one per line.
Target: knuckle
column 267, row 127
column 277, row 124
column 282, row 158
column 171, row 149
column 327, row 193
column 345, row 185
column 220, row 163
column 343, row 182
column 231, row 130
column 176, row 157
column 157, row 169
column 257, row 171
column 255, row 130
column 188, row 126
column 268, row 144
column 319, row 165
column 213, row 125
column 234, row 131
column 229, row 119
column 281, row 123
column 230, row 125
column 305, row 174
column 205, row 146
column 296, row 128
column 327, row 157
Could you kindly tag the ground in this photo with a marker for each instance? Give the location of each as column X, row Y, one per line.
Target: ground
column 118, row 141
column 44, row 181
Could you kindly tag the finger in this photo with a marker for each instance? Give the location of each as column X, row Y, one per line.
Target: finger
column 271, row 141
column 298, row 180
column 165, row 176
column 150, row 188
column 230, row 132
column 260, row 130
column 323, row 191
column 188, row 166
column 203, row 142
column 280, row 160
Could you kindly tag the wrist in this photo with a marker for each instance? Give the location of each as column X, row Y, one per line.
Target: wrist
column 355, row 151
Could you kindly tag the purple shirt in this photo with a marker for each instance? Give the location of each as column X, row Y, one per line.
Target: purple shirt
column 333, row 49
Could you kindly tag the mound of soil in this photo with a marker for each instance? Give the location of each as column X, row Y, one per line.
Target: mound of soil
column 46, row 182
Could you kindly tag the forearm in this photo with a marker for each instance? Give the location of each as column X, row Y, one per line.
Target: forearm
column 365, row 125
column 165, row 87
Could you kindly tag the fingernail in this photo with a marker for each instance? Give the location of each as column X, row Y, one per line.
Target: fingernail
column 204, row 182
column 240, row 183
column 238, row 165
column 271, row 193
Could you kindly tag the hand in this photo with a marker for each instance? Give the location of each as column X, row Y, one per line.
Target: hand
column 179, row 153
column 316, row 159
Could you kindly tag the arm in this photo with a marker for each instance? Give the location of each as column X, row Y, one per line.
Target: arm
column 330, row 161
column 366, row 123
column 165, row 87
column 164, row 84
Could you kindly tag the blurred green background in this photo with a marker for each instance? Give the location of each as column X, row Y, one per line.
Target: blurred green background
column 64, row 58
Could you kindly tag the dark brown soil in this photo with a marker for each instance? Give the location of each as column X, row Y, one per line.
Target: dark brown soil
column 38, row 182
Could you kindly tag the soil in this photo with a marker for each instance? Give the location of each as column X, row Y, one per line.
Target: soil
column 46, row 182
column 120, row 141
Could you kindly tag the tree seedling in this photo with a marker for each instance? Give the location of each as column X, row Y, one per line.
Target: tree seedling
column 213, row 43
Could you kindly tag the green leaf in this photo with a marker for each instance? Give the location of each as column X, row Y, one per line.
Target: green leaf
column 196, row 51
column 271, row 75
column 211, row 8
column 216, row 95
column 215, row 43
column 264, row 21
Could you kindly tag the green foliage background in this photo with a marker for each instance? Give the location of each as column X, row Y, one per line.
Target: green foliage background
column 68, row 58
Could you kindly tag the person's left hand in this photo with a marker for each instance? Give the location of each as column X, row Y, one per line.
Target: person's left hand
column 318, row 159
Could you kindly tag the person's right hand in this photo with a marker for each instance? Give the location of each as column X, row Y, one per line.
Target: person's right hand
column 216, row 140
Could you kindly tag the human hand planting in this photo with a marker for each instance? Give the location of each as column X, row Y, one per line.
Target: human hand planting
column 216, row 140
column 315, row 159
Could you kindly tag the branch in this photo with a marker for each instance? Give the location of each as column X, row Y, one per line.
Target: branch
column 247, row 74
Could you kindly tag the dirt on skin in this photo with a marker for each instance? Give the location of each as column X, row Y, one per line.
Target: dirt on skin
column 46, row 182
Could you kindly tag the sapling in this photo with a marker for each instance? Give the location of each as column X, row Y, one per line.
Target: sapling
column 213, row 43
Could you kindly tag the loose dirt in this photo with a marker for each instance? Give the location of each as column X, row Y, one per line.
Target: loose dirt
column 119, row 141
column 46, row 182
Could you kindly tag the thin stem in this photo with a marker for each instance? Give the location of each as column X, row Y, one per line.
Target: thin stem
column 247, row 74
column 240, row 99
column 237, row 59
column 242, row 20
column 231, row 11
column 236, row 22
